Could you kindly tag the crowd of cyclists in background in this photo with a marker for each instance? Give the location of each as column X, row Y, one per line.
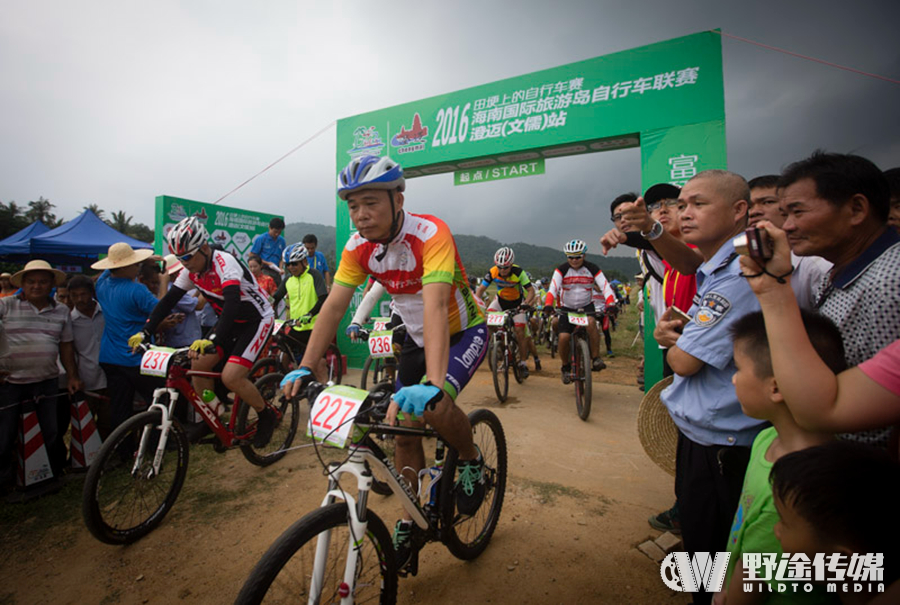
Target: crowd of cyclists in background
column 727, row 266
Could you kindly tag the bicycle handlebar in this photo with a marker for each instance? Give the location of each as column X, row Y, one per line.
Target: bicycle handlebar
column 374, row 408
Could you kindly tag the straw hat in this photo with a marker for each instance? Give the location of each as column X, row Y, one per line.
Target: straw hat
column 122, row 255
column 173, row 265
column 657, row 432
column 37, row 265
column 5, row 274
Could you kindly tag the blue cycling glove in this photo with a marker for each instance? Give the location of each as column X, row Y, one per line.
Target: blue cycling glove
column 417, row 398
column 353, row 331
column 303, row 374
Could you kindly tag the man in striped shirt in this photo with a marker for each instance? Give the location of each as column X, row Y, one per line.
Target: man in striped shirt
column 39, row 331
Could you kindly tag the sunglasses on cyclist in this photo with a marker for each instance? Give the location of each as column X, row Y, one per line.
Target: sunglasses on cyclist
column 185, row 258
column 295, row 263
column 574, row 256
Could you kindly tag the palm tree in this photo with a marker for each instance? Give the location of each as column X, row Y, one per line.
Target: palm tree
column 12, row 219
column 120, row 222
column 96, row 209
column 41, row 210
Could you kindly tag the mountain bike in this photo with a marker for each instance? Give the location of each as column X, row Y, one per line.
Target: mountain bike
column 580, row 360
column 342, row 550
column 284, row 354
column 383, row 360
column 503, row 351
column 140, row 469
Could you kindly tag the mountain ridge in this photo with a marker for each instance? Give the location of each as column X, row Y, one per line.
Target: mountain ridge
column 477, row 253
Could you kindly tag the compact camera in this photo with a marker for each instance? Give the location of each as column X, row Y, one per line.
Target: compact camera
column 754, row 243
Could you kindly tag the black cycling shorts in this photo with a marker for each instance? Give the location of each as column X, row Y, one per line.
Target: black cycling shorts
column 564, row 326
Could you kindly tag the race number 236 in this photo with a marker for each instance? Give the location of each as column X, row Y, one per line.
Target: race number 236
column 380, row 344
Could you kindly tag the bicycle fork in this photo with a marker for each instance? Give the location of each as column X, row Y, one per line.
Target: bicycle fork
column 164, row 426
column 357, row 522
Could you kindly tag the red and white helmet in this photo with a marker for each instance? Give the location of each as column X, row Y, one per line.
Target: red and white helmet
column 187, row 236
column 504, row 257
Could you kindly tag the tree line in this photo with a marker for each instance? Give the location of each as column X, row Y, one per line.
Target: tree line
column 15, row 217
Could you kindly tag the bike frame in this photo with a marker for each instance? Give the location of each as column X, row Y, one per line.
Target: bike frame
column 363, row 449
column 178, row 384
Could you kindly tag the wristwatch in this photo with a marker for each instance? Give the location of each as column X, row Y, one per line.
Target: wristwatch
column 655, row 231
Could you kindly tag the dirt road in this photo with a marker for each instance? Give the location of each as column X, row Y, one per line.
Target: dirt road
column 577, row 504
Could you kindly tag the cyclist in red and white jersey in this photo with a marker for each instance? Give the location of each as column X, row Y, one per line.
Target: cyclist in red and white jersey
column 415, row 258
column 571, row 288
column 245, row 318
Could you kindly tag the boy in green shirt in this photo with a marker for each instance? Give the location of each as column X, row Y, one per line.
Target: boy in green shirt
column 754, row 521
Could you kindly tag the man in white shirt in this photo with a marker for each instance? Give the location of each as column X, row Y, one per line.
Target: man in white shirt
column 87, row 331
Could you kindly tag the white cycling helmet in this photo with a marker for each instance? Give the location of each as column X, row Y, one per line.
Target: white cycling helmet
column 576, row 247
column 504, row 257
column 294, row 254
column 187, row 236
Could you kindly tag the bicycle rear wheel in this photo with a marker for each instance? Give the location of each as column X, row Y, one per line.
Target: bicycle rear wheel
column 581, row 367
column 285, row 431
column 263, row 366
column 467, row 537
column 122, row 503
column 284, row 574
column 499, row 368
column 334, row 363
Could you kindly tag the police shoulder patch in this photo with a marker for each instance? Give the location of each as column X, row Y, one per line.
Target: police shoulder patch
column 712, row 309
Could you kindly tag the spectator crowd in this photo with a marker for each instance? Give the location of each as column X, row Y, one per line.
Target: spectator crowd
column 777, row 312
column 66, row 336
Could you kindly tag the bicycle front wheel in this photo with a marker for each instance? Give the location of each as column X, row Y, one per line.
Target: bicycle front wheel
column 285, row 431
column 467, row 537
column 372, row 372
column 124, row 501
column 581, row 367
column 514, row 360
column 499, row 368
column 285, row 572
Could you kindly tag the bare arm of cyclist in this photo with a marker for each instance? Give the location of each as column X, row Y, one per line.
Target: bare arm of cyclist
column 326, row 325
column 435, row 297
column 530, row 296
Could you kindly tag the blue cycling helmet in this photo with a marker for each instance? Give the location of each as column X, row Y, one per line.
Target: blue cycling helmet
column 370, row 172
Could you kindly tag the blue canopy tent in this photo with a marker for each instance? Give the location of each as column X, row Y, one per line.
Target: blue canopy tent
column 18, row 243
column 79, row 242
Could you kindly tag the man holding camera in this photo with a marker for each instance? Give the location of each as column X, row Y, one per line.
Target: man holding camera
column 714, row 434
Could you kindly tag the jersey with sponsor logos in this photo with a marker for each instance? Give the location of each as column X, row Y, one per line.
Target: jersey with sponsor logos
column 225, row 270
column 510, row 288
column 424, row 252
column 572, row 288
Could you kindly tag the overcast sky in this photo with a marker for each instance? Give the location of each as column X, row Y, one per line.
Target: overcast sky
column 114, row 103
